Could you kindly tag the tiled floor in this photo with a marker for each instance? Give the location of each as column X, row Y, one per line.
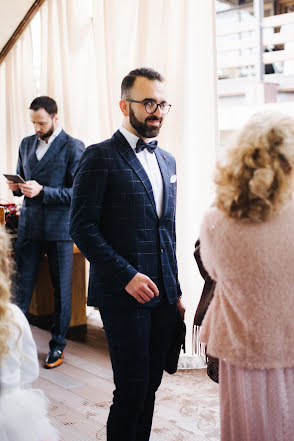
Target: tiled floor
column 80, row 392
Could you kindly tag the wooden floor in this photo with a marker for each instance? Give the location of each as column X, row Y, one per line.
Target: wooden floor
column 80, row 393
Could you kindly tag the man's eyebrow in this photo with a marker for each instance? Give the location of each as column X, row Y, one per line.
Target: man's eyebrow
column 152, row 99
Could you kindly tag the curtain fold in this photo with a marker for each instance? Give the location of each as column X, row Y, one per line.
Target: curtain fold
column 69, row 60
column 17, row 90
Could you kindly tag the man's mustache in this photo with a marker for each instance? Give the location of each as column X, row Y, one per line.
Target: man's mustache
column 153, row 118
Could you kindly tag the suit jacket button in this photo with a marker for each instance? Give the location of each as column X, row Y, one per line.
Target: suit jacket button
column 162, row 250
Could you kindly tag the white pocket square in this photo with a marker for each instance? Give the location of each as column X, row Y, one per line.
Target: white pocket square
column 173, row 179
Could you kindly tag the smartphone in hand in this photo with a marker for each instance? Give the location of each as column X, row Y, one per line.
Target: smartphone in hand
column 17, row 179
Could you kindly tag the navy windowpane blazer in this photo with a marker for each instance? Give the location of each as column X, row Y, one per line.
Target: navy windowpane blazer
column 115, row 224
column 46, row 216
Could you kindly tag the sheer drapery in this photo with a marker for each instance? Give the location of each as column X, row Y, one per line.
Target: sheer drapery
column 17, row 90
column 88, row 46
column 68, row 68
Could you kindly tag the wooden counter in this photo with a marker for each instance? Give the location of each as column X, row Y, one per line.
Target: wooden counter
column 2, row 216
column 42, row 304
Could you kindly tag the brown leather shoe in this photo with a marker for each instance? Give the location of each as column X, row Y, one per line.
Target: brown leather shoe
column 54, row 359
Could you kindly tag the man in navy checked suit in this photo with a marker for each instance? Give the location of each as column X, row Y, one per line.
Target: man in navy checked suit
column 123, row 220
column 47, row 162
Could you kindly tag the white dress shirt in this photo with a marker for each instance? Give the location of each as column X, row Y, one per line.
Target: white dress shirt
column 151, row 167
column 43, row 146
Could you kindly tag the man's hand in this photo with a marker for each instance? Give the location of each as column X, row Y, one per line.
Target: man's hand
column 142, row 288
column 12, row 185
column 31, row 188
column 181, row 307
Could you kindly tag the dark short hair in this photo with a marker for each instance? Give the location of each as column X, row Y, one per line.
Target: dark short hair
column 128, row 81
column 46, row 103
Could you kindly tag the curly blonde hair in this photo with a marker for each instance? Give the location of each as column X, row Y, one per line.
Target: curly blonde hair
column 255, row 180
column 5, row 293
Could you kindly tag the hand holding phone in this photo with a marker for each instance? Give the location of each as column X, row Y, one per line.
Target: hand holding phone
column 17, row 179
column 13, row 181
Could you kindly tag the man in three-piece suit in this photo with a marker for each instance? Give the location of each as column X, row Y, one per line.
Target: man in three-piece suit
column 47, row 162
column 123, row 220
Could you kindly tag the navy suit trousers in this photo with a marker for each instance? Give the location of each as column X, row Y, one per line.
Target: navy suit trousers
column 28, row 254
column 138, row 340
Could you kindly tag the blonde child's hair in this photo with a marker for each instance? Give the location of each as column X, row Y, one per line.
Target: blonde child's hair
column 5, row 293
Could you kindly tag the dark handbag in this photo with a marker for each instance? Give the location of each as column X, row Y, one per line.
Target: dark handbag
column 212, row 368
column 172, row 359
column 206, row 298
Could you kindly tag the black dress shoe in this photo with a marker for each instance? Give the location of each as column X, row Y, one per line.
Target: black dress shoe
column 54, row 358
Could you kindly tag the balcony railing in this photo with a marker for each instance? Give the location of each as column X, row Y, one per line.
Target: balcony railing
column 244, row 62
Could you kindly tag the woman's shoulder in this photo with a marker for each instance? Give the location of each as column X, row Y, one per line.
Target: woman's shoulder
column 217, row 227
column 211, row 221
column 212, row 211
column 213, row 217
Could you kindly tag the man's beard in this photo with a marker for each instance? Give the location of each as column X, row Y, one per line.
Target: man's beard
column 47, row 134
column 142, row 128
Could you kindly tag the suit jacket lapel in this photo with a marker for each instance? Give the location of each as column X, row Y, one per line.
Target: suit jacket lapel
column 129, row 155
column 165, row 177
column 53, row 150
column 32, row 159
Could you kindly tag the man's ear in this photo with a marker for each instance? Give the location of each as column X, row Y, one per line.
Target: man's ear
column 55, row 120
column 124, row 107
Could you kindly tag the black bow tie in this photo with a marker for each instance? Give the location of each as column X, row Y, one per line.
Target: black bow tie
column 141, row 145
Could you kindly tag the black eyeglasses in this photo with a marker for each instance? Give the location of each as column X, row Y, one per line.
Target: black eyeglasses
column 151, row 106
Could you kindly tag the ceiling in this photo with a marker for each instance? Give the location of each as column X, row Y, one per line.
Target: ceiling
column 12, row 13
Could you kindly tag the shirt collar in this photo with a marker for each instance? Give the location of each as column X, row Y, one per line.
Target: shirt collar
column 54, row 135
column 130, row 137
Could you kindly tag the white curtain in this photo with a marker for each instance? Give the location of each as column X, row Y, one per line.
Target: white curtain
column 68, row 68
column 17, row 90
column 88, row 46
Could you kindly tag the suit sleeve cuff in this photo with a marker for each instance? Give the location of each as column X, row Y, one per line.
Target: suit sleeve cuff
column 17, row 192
column 125, row 275
column 43, row 194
